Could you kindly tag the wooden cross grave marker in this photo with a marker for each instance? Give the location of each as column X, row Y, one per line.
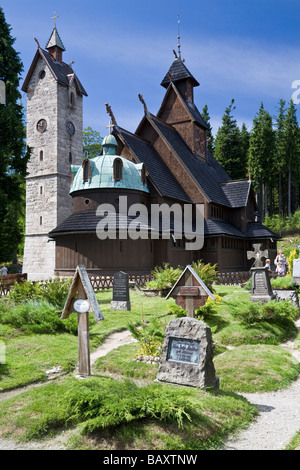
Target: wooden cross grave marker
column 189, row 291
column 257, row 254
column 82, row 299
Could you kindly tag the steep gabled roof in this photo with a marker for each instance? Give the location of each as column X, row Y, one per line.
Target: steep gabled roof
column 208, row 175
column 62, row 72
column 55, row 40
column 178, row 71
column 237, row 192
column 158, row 171
column 191, row 108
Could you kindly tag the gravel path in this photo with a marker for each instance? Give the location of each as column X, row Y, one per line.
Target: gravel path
column 278, row 420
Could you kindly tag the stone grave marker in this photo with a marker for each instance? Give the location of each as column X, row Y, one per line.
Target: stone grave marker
column 189, row 291
column 82, row 300
column 187, row 355
column 261, row 290
column 121, row 298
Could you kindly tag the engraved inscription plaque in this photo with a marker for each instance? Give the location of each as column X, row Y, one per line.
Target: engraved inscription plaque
column 183, row 350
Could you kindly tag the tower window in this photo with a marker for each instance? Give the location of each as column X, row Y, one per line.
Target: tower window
column 72, row 99
column 41, row 220
column 42, row 74
column 41, row 189
column 70, row 157
column 41, row 155
column 118, row 169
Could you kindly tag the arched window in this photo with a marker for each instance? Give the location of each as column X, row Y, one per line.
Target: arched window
column 72, row 99
column 118, row 169
column 86, row 170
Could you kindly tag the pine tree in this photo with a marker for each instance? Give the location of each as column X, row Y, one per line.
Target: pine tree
column 261, row 156
column 228, row 145
column 209, row 133
column 13, row 154
column 290, row 138
column 280, row 152
column 245, row 142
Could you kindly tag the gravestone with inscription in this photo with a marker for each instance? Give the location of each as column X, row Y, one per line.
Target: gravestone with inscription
column 187, row 355
column 261, row 290
column 121, row 298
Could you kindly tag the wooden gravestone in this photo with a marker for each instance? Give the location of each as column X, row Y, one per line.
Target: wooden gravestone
column 261, row 290
column 82, row 300
column 121, row 299
column 189, row 291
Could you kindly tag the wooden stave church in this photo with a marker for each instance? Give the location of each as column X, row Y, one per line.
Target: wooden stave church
column 172, row 145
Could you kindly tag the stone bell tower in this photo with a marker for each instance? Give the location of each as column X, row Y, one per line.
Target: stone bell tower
column 54, row 133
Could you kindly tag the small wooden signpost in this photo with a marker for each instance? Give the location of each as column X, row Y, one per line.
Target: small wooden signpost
column 189, row 291
column 82, row 299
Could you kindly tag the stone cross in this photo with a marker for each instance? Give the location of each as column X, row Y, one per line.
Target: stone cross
column 257, row 254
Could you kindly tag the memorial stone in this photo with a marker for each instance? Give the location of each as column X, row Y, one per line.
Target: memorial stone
column 187, row 355
column 121, row 298
column 261, row 290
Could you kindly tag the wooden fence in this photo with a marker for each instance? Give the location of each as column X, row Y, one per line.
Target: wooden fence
column 8, row 280
column 106, row 282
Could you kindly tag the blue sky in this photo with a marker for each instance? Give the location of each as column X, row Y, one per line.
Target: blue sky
column 246, row 50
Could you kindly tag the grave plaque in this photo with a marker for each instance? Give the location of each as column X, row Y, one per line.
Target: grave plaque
column 121, row 299
column 183, row 350
column 187, row 355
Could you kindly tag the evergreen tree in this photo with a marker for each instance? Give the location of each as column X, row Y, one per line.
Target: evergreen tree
column 228, row 145
column 290, row 138
column 209, row 134
column 261, row 156
column 245, row 142
column 13, row 154
column 279, row 166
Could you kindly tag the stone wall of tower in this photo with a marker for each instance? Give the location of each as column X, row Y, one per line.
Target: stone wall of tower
column 48, row 202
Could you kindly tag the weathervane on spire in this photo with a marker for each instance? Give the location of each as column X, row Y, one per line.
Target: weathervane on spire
column 54, row 18
column 178, row 37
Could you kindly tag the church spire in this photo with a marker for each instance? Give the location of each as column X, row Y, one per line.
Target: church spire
column 55, row 45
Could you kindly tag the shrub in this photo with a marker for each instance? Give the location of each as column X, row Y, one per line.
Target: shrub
column 54, row 291
column 273, row 311
column 206, row 272
column 164, row 277
column 150, row 335
column 176, row 310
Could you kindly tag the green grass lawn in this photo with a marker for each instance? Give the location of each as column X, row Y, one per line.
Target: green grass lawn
column 120, row 406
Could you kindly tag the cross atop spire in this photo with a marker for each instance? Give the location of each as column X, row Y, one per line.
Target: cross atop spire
column 54, row 18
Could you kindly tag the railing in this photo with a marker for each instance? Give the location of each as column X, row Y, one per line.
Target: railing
column 106, row 282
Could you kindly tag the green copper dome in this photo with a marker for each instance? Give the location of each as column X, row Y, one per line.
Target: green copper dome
column 108, row 171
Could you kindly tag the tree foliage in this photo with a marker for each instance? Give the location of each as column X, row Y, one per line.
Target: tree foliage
column 13, row 152
column 228, row 149
column 91, row 143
